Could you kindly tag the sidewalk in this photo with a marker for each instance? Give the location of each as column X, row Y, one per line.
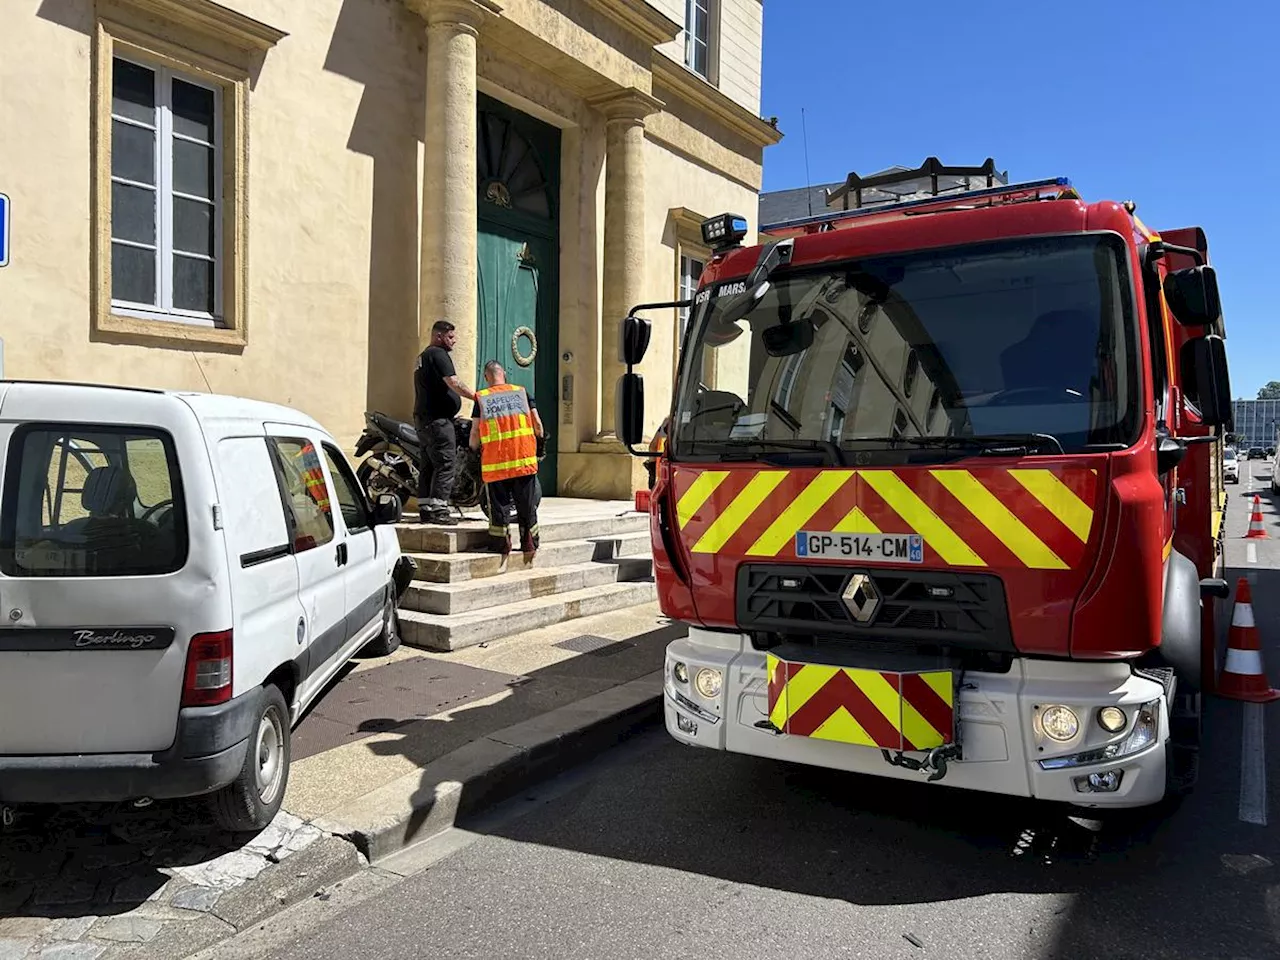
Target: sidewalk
column 391, row 754
column 367, row 755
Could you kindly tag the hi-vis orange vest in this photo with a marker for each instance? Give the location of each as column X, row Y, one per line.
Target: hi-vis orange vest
column 508, row 447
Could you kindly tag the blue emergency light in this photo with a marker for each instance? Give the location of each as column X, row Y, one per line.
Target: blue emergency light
column 725, row 231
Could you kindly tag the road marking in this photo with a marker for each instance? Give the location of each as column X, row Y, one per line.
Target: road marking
column 1253, row 766
column 1251, row 552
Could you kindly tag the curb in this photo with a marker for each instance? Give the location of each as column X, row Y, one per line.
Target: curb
column 484, row 772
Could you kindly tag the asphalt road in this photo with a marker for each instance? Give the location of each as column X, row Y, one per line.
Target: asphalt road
column 660, row 851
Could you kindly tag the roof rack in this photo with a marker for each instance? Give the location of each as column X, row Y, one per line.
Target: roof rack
column 933, row 168
column 1007, row 193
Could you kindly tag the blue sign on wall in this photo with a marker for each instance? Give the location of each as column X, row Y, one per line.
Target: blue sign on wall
column 4, row 230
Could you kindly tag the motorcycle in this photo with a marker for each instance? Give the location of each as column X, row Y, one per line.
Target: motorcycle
column 394, row 452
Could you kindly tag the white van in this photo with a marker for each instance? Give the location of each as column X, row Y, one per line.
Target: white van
column 181, row 575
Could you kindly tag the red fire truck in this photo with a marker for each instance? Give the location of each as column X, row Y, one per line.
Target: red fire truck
column 941, row 496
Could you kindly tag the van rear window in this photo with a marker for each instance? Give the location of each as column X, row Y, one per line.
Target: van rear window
column 91, row 501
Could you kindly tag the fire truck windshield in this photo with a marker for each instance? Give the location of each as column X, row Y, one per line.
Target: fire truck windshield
column 1031, row 338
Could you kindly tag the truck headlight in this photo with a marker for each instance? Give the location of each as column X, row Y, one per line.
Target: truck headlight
column 1059, row 723
column 1112, row 719
column 680, row 672
column 708, row 682
column 1145, row 732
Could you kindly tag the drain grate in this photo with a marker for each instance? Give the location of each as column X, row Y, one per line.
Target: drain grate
column 595, row 646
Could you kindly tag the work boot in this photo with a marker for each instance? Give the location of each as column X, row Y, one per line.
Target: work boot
column 439, row 518
column 528, row 545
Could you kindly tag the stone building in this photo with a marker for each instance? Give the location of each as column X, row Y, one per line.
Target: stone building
column 275, row 198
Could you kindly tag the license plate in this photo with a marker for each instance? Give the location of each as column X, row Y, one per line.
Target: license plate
column 864, row 547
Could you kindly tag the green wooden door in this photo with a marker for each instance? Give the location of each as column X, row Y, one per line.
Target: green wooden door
column 518, row 254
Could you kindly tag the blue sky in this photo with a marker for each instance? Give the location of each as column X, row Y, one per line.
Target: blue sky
column 1166, row 104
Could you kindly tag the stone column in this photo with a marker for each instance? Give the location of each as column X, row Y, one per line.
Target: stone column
column 447, row 286
column 624, row 231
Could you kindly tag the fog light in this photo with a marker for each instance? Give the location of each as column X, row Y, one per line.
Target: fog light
column 685, row 725
column 1059, row 723
column 1112, row 719
column 680, row 672
column 1108, row 782
column 708, row 683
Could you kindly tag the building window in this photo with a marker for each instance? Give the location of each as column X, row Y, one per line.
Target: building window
column 165, row 197
column 787, row 380
column 170, row 170
column 697, row 36
column 690, row 274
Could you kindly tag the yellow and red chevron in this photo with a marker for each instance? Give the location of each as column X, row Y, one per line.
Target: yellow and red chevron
column 870, row 708
column 1038, row 518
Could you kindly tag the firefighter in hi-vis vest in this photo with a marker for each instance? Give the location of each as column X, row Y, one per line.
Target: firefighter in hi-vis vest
column 505, row 428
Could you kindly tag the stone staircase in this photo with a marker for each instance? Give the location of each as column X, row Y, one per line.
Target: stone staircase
column 594, row 557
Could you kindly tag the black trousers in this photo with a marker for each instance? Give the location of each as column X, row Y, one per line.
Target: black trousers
column 438, row 464
column 514, row 499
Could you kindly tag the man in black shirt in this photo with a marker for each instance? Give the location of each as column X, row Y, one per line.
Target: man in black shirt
column 436, row 403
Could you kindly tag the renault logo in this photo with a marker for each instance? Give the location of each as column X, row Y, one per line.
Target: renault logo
column 861, row 597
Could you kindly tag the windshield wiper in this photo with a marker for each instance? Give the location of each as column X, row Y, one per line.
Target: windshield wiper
column 995, row 444
column 743, row 448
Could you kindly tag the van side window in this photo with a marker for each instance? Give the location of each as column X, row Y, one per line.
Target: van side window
column 92, row 501
column 351, row 501
column 306, row 493
column 257, row 531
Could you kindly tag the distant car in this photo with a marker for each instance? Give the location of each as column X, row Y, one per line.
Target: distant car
column 1230, row 466
column 1256, row 453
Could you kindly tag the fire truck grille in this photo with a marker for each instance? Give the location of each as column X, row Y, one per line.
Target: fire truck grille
column 940, row 609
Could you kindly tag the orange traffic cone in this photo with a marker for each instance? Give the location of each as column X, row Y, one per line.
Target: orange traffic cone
column 1243, row 677
column 1257, row 529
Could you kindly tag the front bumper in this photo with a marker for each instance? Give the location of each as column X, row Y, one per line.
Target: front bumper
column 207, row 754
column 1002, row 747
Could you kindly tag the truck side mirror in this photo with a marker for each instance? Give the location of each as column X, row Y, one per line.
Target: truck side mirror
column 746, row 304
column 1169, row 453
column 629, row 416
column 633, row 340
column 1192, row 295
column 1205, row 359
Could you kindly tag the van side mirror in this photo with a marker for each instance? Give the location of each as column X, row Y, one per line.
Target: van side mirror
column 629, row 415
column 633, row 340
column 1205, row 360
column 387, row 510
column 1192, row 295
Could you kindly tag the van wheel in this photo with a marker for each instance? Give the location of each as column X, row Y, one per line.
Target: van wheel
column 250, row 802
column 387, row 642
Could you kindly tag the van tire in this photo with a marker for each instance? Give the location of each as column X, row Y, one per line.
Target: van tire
column 388, row 641
column 242, row 806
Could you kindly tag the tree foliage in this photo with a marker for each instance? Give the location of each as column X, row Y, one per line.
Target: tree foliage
column 1270, row 392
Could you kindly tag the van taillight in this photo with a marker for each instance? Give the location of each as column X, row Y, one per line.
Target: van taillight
column 208, row 677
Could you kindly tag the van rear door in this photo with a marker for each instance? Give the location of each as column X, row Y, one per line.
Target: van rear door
column 100, row 586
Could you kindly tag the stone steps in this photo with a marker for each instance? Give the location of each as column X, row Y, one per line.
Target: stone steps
column 461, row 567
column 590, row 560
column 624, row 545
column 473, row 536
column 453, row 632
column 447, row 599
